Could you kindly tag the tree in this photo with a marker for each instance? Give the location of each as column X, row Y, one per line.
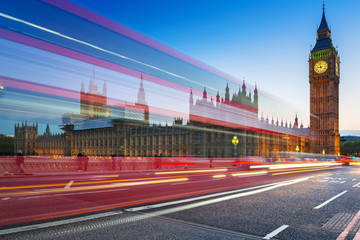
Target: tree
column 6, row 145
column 350, row 148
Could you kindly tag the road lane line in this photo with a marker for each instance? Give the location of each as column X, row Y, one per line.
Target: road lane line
column 58, row 223
column 276, row 232
column 235, row 193
column 73, row 193
column 29, row 197
column 6, row 198
column 356, row 185
column 331, row 199
column 357, row 235
column 146, row 216
column 346, row 231
column 69, row 184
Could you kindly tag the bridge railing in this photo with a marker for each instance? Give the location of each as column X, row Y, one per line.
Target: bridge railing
column 58, row 164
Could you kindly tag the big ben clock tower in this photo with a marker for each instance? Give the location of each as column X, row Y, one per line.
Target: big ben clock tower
column 324, row 78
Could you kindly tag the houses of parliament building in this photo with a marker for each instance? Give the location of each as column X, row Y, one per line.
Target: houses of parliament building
column 104, row 130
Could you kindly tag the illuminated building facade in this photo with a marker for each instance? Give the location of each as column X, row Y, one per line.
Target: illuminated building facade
column 25, row 138
column 324, row 78
column 93, row 103
column 208, row 132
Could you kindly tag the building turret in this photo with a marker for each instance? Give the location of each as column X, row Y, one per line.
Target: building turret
column 104, row 90
column 204, row 93
column 243, row 90
column 256, row 98
column 82, row 87
column 191, row 100
column 47, row 131
column 141, row 93
column 227, row 93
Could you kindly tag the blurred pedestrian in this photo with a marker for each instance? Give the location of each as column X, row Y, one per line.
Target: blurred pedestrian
column 113, row 162
column 20, row 158
column 80, row 160
column 85, row 161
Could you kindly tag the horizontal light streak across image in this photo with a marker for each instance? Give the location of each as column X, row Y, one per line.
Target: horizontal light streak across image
column 193, row 171
column 84, row 183
column 89, row 188
column 219, row 176
column 301, row 165
column 249, row 174
column 310, row 170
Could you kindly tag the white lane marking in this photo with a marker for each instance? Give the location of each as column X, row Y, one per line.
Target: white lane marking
column 275, row 232
column 331, row 199
column 58, row 223
column 69, row 184
column 72, row 193
column 264, row 188
column 6, row 198
column 357, row 185
column 346, row 231
column 357, row 235
column 29, row 197
column 143, row 216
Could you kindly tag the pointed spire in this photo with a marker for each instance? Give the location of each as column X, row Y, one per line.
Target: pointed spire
column 47, row 131
column 104, row 89
column 243, row 86
column 82, row 87
column 323, row 24
column 227, row 92
column 255, row 90
column 218, row 96
column 141, row 92
column 204, row 93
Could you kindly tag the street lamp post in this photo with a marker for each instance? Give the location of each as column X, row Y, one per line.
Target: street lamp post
column 235, row 142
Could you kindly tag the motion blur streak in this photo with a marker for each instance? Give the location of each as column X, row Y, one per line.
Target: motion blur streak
column 280, row 166
column 81, row 183
column 96, row 47
column 193, row 171
column 249, row 173
column 354, row 163
column 219, row 176
column 318, row 169
column 61, row 190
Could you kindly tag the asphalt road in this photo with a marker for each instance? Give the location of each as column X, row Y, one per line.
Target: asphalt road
column 228, row 204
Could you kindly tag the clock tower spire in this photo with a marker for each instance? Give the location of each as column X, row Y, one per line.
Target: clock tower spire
column 324, row 79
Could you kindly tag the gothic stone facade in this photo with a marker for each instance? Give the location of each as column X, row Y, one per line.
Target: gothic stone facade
column 324, row 78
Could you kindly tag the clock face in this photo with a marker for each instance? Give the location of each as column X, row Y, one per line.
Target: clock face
column 321, row 67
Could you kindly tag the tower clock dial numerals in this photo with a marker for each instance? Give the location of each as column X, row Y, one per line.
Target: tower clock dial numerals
column 321, row 67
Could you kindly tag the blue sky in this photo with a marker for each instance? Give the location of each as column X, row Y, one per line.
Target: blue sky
column 267, row 42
